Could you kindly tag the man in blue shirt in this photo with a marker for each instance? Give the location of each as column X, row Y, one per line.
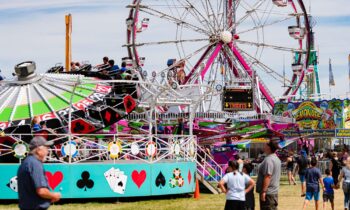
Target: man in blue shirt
column 123, row 69
column 113, row 68
column 328, row 194
column 313, row 177
column 33, row 188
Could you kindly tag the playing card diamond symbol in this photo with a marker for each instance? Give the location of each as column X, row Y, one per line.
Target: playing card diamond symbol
column 116, row 180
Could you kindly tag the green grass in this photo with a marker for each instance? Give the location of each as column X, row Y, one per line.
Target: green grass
column 289, row 199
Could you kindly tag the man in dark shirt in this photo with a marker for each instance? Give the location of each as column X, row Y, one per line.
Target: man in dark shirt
column 180, row 127
column 301, row 168
column 313, row 177
column 33, row 188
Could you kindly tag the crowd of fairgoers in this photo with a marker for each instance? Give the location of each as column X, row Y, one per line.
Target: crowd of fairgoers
column 239, row 187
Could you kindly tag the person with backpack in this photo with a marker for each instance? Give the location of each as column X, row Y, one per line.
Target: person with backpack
column 302, row 164
column 236, row 187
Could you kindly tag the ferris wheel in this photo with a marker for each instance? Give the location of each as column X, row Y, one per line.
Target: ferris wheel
column 221, row 43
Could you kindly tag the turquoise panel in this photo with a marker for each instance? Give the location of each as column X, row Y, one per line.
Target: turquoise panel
column 124, row 180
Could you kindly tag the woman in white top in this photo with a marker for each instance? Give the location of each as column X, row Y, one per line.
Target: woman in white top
column 345, row 173
column 236, row 190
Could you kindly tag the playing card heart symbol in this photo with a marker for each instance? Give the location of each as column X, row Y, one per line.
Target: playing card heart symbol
column 138, row 178
column 54, row 179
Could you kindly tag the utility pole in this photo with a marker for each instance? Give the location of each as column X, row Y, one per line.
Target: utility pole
column 68, row 41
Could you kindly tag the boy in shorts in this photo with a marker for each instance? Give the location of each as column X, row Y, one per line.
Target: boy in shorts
column 328, row 194
column 313, row 177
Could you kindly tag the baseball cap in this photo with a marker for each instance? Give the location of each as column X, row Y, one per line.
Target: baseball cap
column 39, row 141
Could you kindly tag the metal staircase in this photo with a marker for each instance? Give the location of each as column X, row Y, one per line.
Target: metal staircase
column 209, row 173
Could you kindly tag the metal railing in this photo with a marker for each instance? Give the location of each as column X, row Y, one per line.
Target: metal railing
column 71, row 149
column 207, row 167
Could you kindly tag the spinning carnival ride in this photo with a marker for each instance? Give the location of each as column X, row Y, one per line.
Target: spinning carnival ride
column 224, row 44
column 221, row 47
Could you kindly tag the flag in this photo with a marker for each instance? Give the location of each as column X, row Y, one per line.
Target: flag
column 349, row 65
column 331, row 77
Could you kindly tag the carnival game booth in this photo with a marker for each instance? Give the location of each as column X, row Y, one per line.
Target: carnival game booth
column 117, row 166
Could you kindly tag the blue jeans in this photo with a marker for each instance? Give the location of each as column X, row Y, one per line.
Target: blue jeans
column 346, row 200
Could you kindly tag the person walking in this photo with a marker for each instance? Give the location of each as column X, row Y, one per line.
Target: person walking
column 345, row 173
column 236, row 187
column 290, row 168
column 328, row 194
column 302, row 164
column 335, row 167
column 33, row 188
column 313, row 177
column 269, row 174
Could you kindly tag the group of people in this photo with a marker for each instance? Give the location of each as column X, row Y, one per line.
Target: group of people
column 239, row 186
column 238, row 183
column 311, row 177
column 108, row 67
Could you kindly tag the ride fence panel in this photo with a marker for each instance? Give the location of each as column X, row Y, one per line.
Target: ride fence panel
column 68, row 149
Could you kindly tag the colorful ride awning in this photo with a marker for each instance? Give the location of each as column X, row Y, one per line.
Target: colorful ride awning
column 47, row 96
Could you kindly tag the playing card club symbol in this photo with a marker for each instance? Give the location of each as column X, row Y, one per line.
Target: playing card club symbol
column 81, row 126
column 85, row 181
column 78, row 127
column 160, row 180
column 129, row 103
column 13, row 184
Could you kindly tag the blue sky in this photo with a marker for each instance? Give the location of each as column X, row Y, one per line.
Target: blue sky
column 35, row 30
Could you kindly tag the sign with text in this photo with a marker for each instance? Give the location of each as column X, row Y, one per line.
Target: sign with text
column 342, row 133
column 235, row 99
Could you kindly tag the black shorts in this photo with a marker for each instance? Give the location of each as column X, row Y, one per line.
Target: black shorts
column 328, row 197
column 234, row 205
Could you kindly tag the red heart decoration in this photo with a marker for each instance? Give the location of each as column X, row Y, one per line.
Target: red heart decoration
column 54, row 179
column 189, row 176
column 138, row 178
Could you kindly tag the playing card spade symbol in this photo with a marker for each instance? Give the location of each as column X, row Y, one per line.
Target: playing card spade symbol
column 85, row 181
column 120, row 184
column 160, row 180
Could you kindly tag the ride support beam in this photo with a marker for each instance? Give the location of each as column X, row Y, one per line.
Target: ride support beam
column 194, row 69
column 211, row 59
column 230, row 64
